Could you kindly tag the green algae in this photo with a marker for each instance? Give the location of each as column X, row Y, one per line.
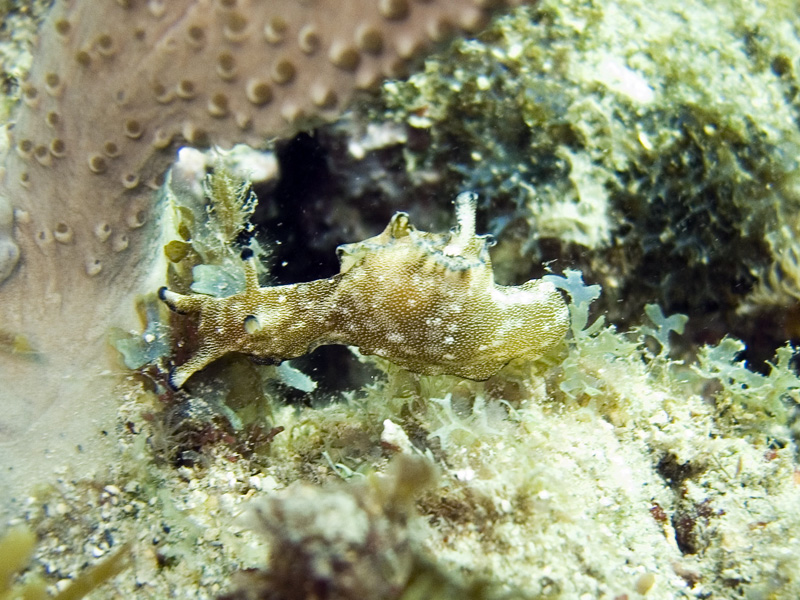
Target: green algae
column 16, row 549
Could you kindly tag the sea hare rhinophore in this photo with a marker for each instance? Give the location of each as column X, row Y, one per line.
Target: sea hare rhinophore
column 425, row 301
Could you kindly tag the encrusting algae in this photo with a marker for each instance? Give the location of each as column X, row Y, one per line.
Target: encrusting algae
column 425, row 301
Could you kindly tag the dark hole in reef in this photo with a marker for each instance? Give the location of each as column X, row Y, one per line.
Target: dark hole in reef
column 291, row 217
column 335, row 370
column 676, row 473
column 325, row 198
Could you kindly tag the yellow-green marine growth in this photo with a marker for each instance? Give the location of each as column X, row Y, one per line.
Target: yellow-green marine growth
column 425, row 301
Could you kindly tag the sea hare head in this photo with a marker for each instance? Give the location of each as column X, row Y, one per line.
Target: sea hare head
column 425, row 301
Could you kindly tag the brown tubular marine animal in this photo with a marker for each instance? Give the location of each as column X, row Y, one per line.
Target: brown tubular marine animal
column 425, row 301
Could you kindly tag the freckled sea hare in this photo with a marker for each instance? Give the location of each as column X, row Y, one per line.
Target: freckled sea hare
column 425, row 301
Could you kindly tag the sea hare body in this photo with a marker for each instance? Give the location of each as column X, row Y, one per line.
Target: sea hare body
column 425, row 301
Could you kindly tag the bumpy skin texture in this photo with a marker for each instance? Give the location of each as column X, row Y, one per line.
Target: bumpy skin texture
column 425, row 301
